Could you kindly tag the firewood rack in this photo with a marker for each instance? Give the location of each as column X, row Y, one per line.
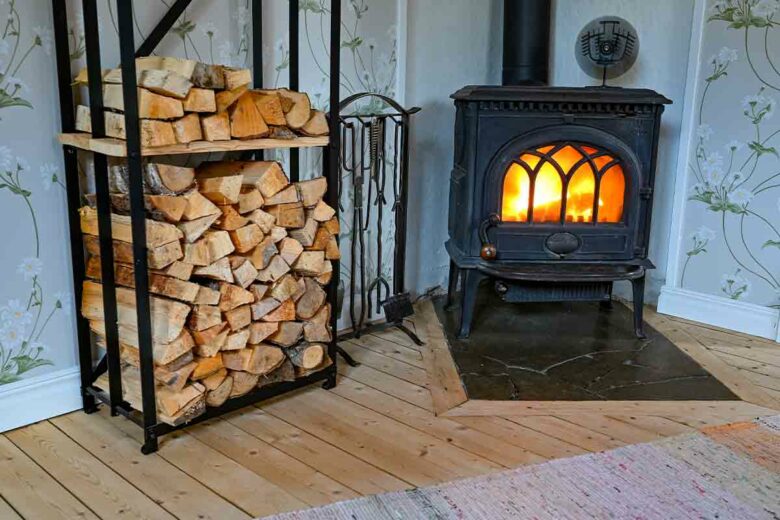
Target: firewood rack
column 110, row 362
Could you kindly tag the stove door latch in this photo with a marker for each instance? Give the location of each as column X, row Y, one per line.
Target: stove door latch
column 489, row 250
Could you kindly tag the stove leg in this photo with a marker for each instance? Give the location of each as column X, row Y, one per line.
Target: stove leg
column 638, row 286
column 453, row 285
column 470, row 279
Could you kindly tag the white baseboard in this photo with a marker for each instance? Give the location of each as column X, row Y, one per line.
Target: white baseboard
column 39, row 398
column 749, row 318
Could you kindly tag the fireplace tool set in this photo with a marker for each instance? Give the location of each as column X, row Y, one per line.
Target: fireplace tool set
column 373, row 193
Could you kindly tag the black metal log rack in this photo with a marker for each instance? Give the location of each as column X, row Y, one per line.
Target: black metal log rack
column 110, row 362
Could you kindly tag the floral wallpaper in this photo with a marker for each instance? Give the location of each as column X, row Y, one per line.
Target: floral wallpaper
column 37, row 333
column 733, row 210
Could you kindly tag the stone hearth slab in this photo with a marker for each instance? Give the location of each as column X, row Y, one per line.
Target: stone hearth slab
column 574, row 351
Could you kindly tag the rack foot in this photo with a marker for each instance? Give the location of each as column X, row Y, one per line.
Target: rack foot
column 330, row 382
column 150, row 444
column 412, row 336
column 90, row 405
column 349, row 359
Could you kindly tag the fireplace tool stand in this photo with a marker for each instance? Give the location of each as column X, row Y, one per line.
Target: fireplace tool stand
column 375, row 170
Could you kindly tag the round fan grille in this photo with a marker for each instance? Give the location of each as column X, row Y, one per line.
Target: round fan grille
column 607, row 47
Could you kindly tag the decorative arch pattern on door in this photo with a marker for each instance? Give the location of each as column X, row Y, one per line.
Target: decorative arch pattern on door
column 565, row 182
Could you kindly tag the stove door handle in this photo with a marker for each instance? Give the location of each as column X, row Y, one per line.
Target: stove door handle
column 489, row 250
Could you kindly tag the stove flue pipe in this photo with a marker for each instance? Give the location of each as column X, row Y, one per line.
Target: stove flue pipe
column 526, row 42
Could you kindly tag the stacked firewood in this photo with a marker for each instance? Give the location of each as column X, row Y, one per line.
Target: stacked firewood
column 239, row 258
column 182, row 101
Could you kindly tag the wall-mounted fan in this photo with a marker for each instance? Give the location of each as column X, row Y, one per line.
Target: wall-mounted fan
column 607, row 47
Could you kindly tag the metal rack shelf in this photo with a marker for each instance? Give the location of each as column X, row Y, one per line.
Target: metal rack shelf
column 118, row 148
column 103, row 147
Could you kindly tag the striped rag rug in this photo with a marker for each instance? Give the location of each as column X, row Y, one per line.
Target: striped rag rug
column 724, row 472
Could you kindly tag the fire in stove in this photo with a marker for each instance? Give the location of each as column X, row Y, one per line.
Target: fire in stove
column 575, row 173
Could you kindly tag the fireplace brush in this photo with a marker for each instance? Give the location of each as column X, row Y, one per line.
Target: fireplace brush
column 373, row 192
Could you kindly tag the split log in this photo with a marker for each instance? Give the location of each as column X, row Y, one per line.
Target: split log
column 263, row 253
column 150, row 105
column 284, row 288
column 230, row 220
column 327, row 274
column 322, row 212
column 207, row 366
column 198, row 206
column 237, row 359
column 181, row 66
column 281, row 132
column 165, row 82
column 317, row 125
column 259, row 331
column 305, row 235
column 275, row 269
column 172, row 208
column 287, row 196
column 237, row 340
column 249, row 199
column 158, row 257
column 168, row 317
column 179, row 270
column 285, row 372
column 264, row 359
column 162, row 353
column 219, row 395
column 219, row 270
column 263, row 307
column 226, row 98
column 216, row 127
column 232, row 296
column 187, row 129
column 245, row 119
column 311, row 301
column 235, row 78
column 306, row 355
column 200, row 100
column 214, row 246
column 207, row 296
column 220, row 190
column 208, row 76
column 288, row 215
column 243, row 383
column 239, row 317
column 290, row 249
column 288, row 334
column 204, row 317
column 124, row 275
column 312, row 191
column 300, row 291
column 174, row 380
column 310, row 263
column 244, row 272
column 278, row 233
column 321, row 239
column 317, row 329
column 246, row 238
column 194, row 229
column 259, row 290
column 285, row 312
column 157, row 233
column 265, row 220
column 270, row 107
column 211, row 340
column 333, row 226
column 300, row 111
column 215, row 379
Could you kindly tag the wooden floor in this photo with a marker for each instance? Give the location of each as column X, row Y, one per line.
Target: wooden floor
column 374, row 432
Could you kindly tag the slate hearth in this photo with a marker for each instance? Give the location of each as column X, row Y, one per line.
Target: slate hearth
column 572, row 351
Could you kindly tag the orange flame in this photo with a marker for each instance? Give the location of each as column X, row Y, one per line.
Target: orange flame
column 548, row 190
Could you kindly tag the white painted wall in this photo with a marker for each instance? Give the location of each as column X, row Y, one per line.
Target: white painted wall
column 452, row 44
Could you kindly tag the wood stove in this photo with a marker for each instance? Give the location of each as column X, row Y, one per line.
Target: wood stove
column 551, row 193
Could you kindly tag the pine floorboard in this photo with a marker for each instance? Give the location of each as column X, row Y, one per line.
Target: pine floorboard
column 375, row 432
